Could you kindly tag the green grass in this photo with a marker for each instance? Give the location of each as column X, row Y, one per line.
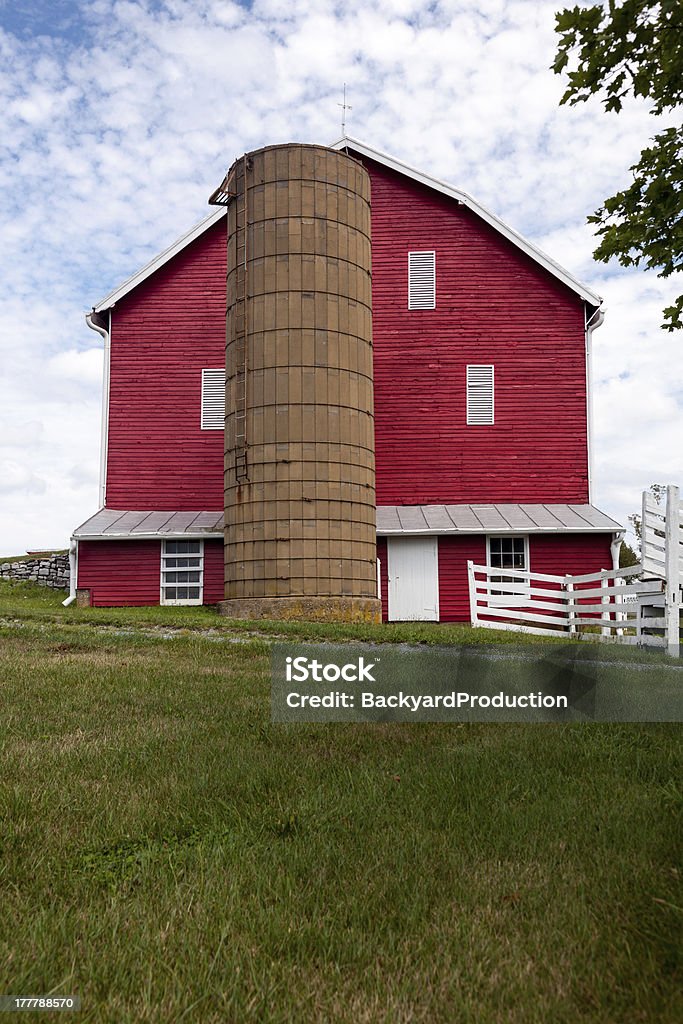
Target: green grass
column 28, row 558
column 40, row 604
column 170, row 855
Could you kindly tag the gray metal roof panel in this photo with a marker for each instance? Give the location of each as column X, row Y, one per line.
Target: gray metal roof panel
column 568, row 517
column 516, row 517
column 437, row 517
column 542, row 517
column 463, row 518
column 493, row 518
column 595, row 517
column 490, row 517
column 121, row 524
column 387, row 519
column 180, row 522
column 209, row 521
column 411, row 518
column 152, row 523
column 127, row 522
column 98, row 522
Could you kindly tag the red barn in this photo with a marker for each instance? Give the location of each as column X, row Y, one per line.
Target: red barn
column 482, row 410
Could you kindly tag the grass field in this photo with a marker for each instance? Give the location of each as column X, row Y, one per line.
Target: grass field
column 170, row 855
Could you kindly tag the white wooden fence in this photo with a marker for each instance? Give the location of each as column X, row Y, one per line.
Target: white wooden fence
column 614, row 604
column 662, row 556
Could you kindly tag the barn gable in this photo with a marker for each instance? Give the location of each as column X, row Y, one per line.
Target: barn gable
column 356, row 147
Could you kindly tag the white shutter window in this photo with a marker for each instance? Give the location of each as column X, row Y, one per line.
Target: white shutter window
column 480, row 395
column 213, row 399
column 421, row 280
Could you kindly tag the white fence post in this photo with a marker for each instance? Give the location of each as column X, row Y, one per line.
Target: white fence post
column 604, row 614
column 672, row 555
column 474, row 617
column 619, row 581
column 571, row 612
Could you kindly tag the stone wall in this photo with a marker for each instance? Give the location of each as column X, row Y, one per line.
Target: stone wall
column 49, row 571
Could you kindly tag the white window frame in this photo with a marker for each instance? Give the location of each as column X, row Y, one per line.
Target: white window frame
column 522, row 594
column 211, row 378
column 413, row 302
column 167, row 556
column 470, row 393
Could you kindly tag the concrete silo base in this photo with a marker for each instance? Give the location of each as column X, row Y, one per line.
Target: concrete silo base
column 304, row 609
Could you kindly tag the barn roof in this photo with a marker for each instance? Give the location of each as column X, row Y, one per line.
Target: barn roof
column 116, row 524
column 484, row 518
column 355, row 146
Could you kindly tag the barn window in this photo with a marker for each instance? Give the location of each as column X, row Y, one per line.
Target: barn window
column 213, row 399
column 508, row 553
column 480, row 395
column 182, row 571
column 422, row 280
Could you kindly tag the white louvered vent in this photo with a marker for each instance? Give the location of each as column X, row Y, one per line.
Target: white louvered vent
column 479, row 395
column 421, row 280
column 213, row 399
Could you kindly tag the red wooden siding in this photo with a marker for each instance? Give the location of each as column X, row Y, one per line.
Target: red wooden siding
column 164, row 333
column 120, row 572
column 570, row 553
column 493, row 305
column 128, row 572
column 213, row 572
column 454, row 594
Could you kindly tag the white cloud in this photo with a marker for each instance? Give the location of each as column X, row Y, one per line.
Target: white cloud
column 16, row 477
column 77, row 367
column 111, row 141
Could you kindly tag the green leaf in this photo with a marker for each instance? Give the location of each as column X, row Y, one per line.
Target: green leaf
column 613, row 50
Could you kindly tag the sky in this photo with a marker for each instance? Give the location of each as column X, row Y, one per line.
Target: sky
column 118, row 118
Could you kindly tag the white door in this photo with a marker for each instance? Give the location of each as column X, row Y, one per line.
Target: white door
column 413, row 568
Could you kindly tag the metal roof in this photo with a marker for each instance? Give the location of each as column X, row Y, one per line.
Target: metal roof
column 481, row 518
column 346, row 142
column 114, row 524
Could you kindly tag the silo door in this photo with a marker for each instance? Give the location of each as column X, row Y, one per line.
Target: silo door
column 413, row 569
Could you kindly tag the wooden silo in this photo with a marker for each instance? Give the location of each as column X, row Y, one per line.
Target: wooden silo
column 299, row 436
